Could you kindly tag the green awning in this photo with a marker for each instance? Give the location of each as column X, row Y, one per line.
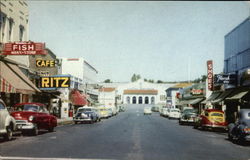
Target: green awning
column 237, row 95
column 222, row 96
column 212, row 97
column 195, row 101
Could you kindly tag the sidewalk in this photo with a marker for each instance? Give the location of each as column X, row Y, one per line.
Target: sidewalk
column 64, row 121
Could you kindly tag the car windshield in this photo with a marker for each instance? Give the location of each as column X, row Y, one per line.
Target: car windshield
column 84, row 109
column 175, row 110
column 189, row 111
column 216, row 114
column 27, row 107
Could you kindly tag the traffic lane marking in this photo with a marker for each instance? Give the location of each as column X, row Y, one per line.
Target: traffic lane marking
column 34, row 158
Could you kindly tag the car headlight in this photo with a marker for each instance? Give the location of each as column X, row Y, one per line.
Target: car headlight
column 31, row 118
column 83, row 115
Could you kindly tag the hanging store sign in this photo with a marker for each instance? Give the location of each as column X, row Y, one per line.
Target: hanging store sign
column 225, row 78
column 24, row 48
column 210, row 74
column 45, row 63
column 197, row 91
column 55, row 82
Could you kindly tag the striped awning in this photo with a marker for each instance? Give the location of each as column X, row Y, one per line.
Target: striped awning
column 6, row 87
column 13, row 77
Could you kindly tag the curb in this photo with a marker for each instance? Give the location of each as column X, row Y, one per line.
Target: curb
column 66, row 122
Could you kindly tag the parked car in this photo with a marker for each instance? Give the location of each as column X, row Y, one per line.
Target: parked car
column 7, row 122
column 104, row 112
column 165, row 112
column 110, row 112
column 85, row 114
column 147, row 110
column 240, row 130
column 31, row 117
column 121, row 109
column 155, row 109
column 174, row 113
column 211, row 119
column 188, row 116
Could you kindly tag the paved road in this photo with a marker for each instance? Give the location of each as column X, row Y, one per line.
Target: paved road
column 130, row 135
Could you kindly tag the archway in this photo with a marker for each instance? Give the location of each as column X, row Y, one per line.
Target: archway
column 140, row 100
column 152, row 100
column 146, row 100
column 128, row 100
column 134, row 100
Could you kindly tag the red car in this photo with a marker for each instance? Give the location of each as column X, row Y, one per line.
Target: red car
column 211, row 118
column 31, row 117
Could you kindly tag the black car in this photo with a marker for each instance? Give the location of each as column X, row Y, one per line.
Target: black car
column 240, row 130
column 188, row 116
column 85, row 114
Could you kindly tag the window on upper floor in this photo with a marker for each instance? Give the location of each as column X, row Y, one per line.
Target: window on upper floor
column 21, row 32
column 2, row 25
column 11, row 23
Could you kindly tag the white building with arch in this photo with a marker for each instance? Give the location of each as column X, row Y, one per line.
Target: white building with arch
column 138, row 92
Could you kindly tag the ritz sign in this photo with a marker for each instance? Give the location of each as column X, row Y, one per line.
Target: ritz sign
column 55, row 82
column 24, row 48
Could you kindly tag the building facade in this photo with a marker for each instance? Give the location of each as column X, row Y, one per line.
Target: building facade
column 138, row 92
column 14, row 26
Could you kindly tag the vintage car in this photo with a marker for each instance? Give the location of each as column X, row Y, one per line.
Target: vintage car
column 7, row 122
column 211, row 119
column 174, row 113
column 147, row 110
column 104, row 112
column 86, row 114
column 240, row 130
column 188, row 116
column 32, row 117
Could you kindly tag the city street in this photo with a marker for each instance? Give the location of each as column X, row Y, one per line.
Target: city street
column 129, row 135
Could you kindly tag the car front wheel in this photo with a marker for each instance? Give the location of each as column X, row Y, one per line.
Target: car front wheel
column 9, row 134
column 34, row 131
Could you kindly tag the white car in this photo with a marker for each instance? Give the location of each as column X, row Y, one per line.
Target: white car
column 165, row 112
column 7, row 122
column 147, row 110
column 174, row 113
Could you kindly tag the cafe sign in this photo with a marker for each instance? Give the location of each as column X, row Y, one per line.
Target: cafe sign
column 45, row 63
column 24, row 48
column 55, row 82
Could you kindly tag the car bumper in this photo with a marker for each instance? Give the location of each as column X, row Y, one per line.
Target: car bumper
column 215, row 126
column 82, row 119
column 187, row 120
column 24, row 125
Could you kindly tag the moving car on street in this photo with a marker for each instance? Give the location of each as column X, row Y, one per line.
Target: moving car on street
column 188, row 116
column 240, row 130
column 174, row 113
column 7, row 122
column 85, row 114
column 147, row 110
column 211, row 119
column 31, row 117
column 155, row 109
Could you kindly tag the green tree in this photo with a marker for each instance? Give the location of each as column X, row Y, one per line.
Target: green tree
column 107, row 81
column 160, row 81
column 135, row 77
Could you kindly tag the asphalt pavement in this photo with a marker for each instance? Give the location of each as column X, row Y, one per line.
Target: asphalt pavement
column 129, row 135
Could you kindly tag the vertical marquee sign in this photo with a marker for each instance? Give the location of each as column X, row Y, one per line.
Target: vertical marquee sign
column 210, row 74
column 24, row 48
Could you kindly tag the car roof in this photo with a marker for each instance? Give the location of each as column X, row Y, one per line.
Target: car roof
column 20, row 104
column 214, row 110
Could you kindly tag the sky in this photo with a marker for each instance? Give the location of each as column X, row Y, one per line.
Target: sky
column 161, row 40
